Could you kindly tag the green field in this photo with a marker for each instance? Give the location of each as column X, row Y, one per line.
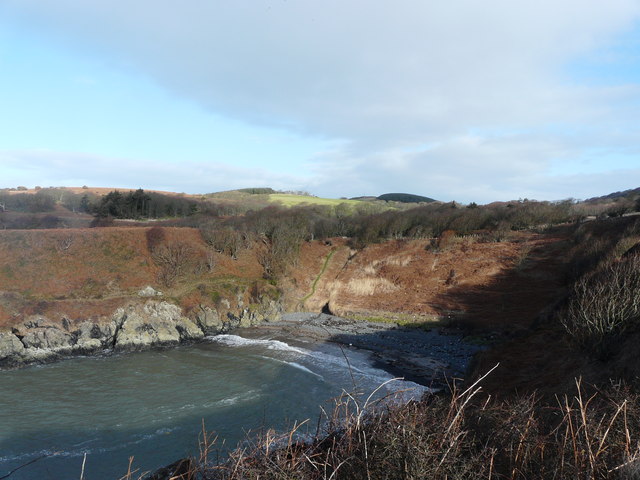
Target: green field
column 255, row 201
column 290, row 200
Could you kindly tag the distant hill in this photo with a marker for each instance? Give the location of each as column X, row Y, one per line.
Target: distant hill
column 257, row 191
column 405, row 198
column 612, row 196
column 365, row 198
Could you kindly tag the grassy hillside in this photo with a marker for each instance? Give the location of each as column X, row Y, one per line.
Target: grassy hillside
column 289, row 200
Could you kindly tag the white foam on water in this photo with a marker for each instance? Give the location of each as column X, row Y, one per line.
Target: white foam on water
column 235, row 399
column 79, row 452
column 368, row 378
column 294, row 365
column 237, row 341
column 29, row 455
column 365, row 375
column 304, row 369
column 337, row 361
column 250, row 395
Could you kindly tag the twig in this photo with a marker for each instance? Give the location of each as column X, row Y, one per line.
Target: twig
column 84, row 459
column 28, row 463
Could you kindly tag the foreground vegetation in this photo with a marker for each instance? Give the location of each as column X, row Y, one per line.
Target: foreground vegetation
column 464, row 435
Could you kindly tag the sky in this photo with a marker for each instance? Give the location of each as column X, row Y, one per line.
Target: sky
column 460, row 100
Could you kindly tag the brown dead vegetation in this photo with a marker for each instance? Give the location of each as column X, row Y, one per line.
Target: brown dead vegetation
column 88, row 273
column 462, row 436
column 411, row 277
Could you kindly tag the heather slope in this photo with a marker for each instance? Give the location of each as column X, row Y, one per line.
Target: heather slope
column 462, row 278
column 104, row 262
column 484, row 284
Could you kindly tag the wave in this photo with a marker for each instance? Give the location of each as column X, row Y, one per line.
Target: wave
column 360, row 369
column 237, row 341
column 367, row 378
column 79, row 452
column 294, row 365
column 243, row 397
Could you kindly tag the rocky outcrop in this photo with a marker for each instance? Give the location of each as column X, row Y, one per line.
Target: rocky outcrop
column 154, row 323
column 94, row 336
column 40, row 335
column 134, row 327
column 248, row 317
column 209, row 321
column 11, row 348
column 149, row 291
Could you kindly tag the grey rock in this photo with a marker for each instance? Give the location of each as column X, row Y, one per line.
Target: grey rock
column 149, row 291
column 47, row 338
column 209, row 321
column 94, row 336
column 247, row 318
column 137, row 326
column 10, row 346
column 41, row 333
column 152, row 324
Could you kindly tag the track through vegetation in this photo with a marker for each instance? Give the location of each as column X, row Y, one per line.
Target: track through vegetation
column 317, row 279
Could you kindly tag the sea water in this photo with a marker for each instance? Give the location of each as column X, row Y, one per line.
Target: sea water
column 152, row 405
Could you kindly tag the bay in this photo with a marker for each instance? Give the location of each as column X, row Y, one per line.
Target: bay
column 151, row 405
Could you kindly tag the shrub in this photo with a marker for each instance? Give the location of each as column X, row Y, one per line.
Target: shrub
column 444, row 241
column 604, row 305
column 174, row 259
column 223, row 240
column 155, row 237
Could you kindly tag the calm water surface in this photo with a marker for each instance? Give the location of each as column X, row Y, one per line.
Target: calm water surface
column 151, row 405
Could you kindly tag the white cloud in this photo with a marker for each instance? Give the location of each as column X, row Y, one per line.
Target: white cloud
column 46, row 168
column 383, row 78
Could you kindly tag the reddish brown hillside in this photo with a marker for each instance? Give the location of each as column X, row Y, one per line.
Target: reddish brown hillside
column 90, row 272
column 63, row 262
column 496, row 284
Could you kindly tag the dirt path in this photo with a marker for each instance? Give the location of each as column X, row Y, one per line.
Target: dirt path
column 317, row 279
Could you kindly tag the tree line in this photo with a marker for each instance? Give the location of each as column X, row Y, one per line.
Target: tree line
column 140, row 204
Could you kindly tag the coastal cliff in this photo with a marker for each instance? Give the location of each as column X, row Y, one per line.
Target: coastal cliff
column 86, row 291
column 136, row 326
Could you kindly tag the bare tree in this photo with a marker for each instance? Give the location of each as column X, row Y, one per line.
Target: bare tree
column 210, row 259
column 64, row 243
column 174, row 258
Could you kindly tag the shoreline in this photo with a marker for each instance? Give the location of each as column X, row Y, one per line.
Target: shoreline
column 427, row 357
